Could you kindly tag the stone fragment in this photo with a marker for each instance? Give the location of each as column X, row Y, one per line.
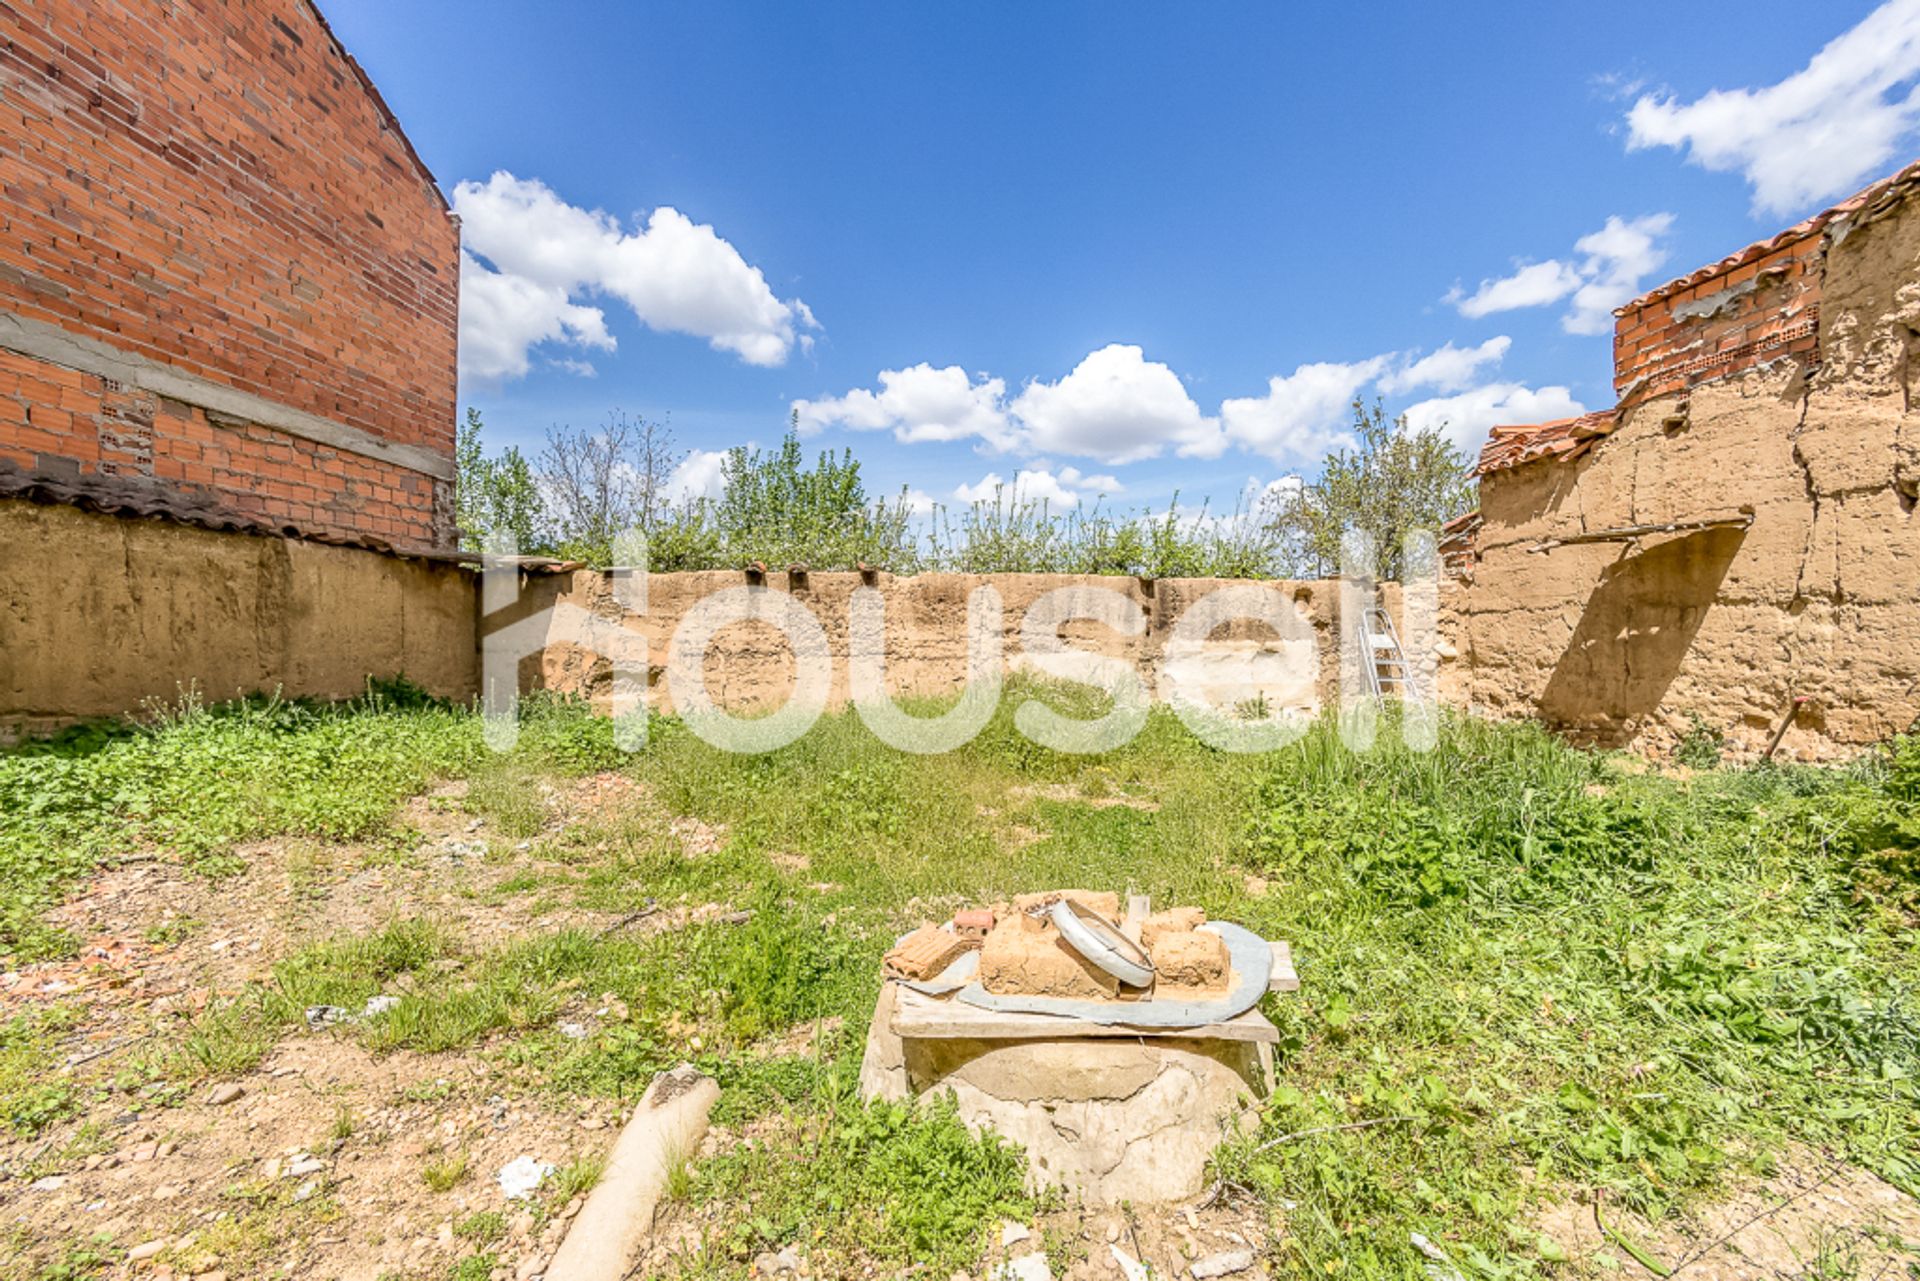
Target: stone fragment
column 1175, row 920
column 1191, row 960
column 224, row 1093
column 1012, row 1234
column 1223, row 1264
column 785, row 1263
column 1019, row 961
column 1028, row 1267
column 146, row 1250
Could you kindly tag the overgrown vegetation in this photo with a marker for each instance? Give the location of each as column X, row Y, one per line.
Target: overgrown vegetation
column 773, row 507
column 1393, row 480
column 1530, row 971
column 195, row 780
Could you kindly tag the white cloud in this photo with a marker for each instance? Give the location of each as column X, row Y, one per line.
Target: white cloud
column 1065, row 488
column 1466, row 418
column 501, row 316
column 1822, row 131
column 1303, row 414
column 1534, row 285
column 699, row 475
column 919, row 403
column 676, row 275
column 1448, row 369
column 1119, row 407
column 1102, row 483
column 1613, row 262
column 1618, row 257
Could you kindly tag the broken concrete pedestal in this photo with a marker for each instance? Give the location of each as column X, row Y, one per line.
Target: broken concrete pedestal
column 1111, row 1113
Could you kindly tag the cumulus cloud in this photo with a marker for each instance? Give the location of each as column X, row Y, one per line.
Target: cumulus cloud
column 530, row 257
column 1448, row 369
column 1116, row 406
column 1304, row 413
column 1619, row 257
column 699, row 475
column 502, row 316
column 1067, row 487
column 919, row 403
column 1466, row 418
column 1612, row 264
column 1534, row 285
column 1822, row 131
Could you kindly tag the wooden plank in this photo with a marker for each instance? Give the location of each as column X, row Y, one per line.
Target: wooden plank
column 922, row 1017
column 1626, row 533
column 1283, row 978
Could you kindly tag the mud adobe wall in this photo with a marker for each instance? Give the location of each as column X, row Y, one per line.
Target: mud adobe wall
column 751, row 664
column 99, row 613
column 1772, row 395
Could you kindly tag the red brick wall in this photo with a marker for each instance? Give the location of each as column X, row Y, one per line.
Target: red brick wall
column 62, row 423
column 1759, row 311
column 212, row 186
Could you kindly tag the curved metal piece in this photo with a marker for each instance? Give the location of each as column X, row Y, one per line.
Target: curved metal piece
column 1252, row 959
column 1104, row 947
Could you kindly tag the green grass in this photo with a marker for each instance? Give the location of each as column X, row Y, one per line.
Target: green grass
column 33, row 1093
column 196, row 780
column 1529, row 971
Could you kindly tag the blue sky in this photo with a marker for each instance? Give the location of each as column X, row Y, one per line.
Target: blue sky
column 1084, row 240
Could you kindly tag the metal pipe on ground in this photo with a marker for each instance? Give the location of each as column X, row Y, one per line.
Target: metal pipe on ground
column 665, row 1129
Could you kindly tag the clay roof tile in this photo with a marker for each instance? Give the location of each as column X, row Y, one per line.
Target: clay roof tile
column 1893, row 187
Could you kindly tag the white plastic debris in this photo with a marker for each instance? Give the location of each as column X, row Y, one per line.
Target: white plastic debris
column 319, row 1016
column 1130, row 1268
column 378, row 1005
column 1439, row 1267
column 520, row 1177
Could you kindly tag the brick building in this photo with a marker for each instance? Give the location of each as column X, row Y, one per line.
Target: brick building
column 228, row 286
column 1734, row 543
column 228, row 335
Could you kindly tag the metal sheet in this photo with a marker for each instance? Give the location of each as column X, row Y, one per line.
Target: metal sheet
column 1252, row 961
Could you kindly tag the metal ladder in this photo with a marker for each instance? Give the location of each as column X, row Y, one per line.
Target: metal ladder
column 1386, row 665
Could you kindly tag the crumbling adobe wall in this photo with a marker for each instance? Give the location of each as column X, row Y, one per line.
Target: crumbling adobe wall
column 751, row 665
column 100, row 613
column 1809, row 429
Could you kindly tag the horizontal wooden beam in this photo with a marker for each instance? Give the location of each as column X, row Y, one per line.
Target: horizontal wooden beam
column 1627, row 533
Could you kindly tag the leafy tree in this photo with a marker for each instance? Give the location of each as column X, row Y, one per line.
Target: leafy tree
column 776, row 509
column 1395, row 480
column 600, row 484
column 493, row 493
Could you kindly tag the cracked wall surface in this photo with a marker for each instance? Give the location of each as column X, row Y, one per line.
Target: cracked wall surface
column 1626, row 642
column 751, row 664
column 99, row 613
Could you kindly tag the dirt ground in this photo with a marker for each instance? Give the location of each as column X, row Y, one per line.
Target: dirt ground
column 319, row 1159
column 1815, row 1217
column 326, row 1161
